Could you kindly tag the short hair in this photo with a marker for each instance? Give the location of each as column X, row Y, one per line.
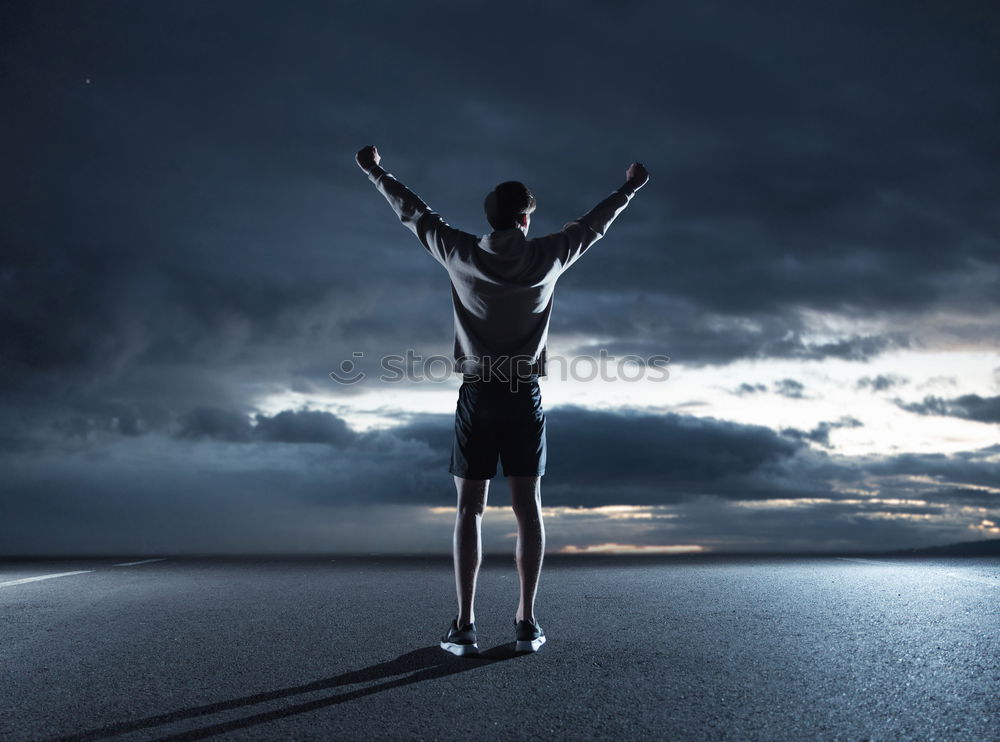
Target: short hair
column 506, row 202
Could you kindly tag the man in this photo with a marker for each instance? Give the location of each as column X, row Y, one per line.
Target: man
column 502, row 287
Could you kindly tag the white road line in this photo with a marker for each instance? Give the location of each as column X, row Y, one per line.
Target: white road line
column 43, row 577
column 956, row 575
column 144, row 561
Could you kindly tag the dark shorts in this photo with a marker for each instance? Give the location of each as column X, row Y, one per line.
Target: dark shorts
column 494, row 420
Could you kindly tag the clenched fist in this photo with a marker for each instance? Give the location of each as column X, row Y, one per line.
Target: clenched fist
column 367, row 157
column 637, row 175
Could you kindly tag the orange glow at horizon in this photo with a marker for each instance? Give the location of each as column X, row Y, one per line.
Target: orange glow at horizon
column 613, row 548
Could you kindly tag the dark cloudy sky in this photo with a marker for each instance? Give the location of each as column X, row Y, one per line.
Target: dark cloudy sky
column 189, row 249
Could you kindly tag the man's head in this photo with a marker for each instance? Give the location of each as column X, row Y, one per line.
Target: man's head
column 510, row 205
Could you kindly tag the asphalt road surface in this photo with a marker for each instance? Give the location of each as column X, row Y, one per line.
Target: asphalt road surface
column 678, row 648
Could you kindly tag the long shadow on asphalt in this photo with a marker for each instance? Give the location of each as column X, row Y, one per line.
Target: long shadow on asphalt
column 419, row 665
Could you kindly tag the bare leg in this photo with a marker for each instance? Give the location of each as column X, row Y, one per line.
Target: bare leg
column 526, row 498
column 468, row 543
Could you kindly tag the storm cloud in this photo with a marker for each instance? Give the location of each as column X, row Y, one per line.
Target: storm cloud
column 966, row 406
column 301, row 480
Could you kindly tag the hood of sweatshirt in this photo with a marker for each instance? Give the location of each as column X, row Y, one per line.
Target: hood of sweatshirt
column 503, row 241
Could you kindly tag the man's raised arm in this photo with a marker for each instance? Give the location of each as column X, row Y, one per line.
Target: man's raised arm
column 567, row 245
column 433, row 232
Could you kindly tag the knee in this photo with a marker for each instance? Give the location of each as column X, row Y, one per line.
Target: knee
column 472, row 498
column 471, row 505
column 471, row 511
column 527, row 508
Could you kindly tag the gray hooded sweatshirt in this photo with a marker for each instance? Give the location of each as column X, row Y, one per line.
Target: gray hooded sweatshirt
column 502, row 283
